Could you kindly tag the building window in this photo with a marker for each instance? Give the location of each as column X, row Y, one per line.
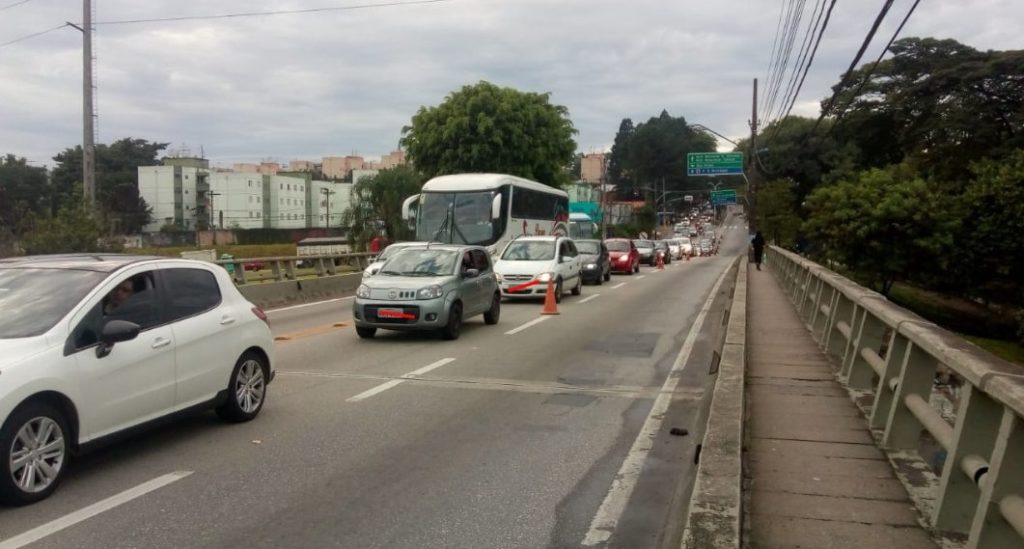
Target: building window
column 281, row 186
column 289, row 186
column 259, row 215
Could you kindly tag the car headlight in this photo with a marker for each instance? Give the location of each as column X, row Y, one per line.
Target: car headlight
column 590, row 266
column 498, row 277
column 544, row 277
column 363, row 291
column 430, row 292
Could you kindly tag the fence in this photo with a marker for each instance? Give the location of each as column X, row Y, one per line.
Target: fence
column 895, row 356
column 285, row 268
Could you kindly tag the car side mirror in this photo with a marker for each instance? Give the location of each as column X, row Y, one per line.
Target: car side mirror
column 116, row 331
column 471, row 273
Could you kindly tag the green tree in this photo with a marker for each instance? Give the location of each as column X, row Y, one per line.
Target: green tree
column 24, row 191
column 656, row 152
column 617, row 174
column 940, row 102
column 989, row 254
column 376, row 206
column 777, row 212
column 884, row 225
column 117, row 190
column 73, row 229
column 486, row 128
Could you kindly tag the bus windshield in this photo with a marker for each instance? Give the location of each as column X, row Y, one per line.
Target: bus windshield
column 457, row 218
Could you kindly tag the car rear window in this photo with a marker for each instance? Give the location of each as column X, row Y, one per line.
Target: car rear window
column 589, row 248
column 190, row 292
column 617, row 246
column 525, row 250
column 33, row 300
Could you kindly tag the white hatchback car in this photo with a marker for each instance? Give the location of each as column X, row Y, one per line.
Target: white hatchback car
column 93, row 346
column 529, row 262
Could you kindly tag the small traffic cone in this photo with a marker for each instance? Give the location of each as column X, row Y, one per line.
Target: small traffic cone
column 550, row 306
column 661, row 263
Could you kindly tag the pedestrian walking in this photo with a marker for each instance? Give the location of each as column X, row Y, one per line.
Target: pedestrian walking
column 758, row 244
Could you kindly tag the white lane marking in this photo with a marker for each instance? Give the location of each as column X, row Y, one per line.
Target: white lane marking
column 591, row 298
column 619, row 285
column 533, row 322
column 86, row 513
column 608, row 515
column 304, row 305
column 640, row 277
column 394, row 382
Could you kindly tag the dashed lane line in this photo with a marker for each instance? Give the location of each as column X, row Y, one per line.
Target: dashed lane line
column 395, row 382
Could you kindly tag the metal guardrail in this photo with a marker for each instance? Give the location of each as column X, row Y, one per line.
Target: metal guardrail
column 896, row 355
column 284, row 267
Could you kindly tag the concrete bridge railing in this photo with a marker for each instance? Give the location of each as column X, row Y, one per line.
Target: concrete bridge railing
column 286, row 268
column 894, row 356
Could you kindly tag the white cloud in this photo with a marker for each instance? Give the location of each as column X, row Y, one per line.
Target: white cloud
column 304, row 86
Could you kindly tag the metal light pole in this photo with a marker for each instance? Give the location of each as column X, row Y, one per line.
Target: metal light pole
column 88, row 116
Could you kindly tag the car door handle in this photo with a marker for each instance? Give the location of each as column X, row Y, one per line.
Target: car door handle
column 225, row 320
column 161, row 342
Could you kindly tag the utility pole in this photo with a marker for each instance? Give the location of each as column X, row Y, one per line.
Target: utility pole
column 88, row 142
column 752, row 182
column 327, row 201
column 210, row 224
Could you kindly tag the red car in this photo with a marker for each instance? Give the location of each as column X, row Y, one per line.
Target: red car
column 625, row 258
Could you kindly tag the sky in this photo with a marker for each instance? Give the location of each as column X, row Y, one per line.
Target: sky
column 332, row 83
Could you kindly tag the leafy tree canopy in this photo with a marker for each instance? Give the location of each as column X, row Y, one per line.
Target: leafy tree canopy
column 376, row 205
column 654, row 152
column 486, row 128
column 24, row 191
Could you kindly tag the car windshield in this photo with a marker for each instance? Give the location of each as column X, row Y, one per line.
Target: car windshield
column 588, row 248
column 33, row 300
column 458, row 218
column 421, row 262
column 617, row 246
column 684, row 241
column 661, row 245
column 390, row 251
column 529, row 251
column 643, row 243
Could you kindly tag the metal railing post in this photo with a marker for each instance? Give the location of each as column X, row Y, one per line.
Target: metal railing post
column 869, row 336
column 991, row 528
column 977, row 425
column 840, row 331
column 903, row 430
column 240, row 273
column 885, row 394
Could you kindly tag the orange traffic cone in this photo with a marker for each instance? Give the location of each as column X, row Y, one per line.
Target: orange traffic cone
column 661, row 263
column 550, row 306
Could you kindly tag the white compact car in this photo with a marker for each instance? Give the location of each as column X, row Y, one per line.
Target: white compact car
column 528, row 263
column 93, row 346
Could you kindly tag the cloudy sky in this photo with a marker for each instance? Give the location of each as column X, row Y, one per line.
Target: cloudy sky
column 303, row 86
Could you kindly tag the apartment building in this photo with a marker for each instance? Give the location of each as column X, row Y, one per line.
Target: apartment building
column 339, row 167
column 328, row 202
column 594, row 168
column 236, row 200
column 287, row 201
column 171, row 191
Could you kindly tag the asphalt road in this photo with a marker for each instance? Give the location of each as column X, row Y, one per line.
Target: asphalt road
column 516, row 435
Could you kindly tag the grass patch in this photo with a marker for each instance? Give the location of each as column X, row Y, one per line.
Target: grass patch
column 1007, row 350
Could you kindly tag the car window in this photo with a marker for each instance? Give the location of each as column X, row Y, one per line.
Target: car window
column 189, row 292
column 422, row 262
column 618, row 246
column 590, row 248
column 563, row 250
column 134, row 299
column 529, row 250
column 573, row 252
column 33, row 300
column 481, row 260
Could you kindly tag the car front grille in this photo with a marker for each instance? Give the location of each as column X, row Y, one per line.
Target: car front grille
column 518, row 278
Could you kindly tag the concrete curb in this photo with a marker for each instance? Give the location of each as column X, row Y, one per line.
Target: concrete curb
column 292, row 292
column 715, row 512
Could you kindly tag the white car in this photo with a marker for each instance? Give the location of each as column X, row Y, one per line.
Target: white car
column 92, row 346
column 686, row 245
column 382, row 257
column 529, row 262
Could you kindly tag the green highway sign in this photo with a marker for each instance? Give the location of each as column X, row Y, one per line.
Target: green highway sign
column 714, row 163
column 725, row 196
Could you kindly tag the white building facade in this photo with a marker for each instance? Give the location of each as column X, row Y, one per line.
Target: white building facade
column 171, row 192
column 236, row 200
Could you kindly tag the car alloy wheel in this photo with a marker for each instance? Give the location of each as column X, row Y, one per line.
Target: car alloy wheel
column 35, row 439
column 247, row 390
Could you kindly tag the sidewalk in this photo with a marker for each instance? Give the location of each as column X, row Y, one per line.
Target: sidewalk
column 813, row 475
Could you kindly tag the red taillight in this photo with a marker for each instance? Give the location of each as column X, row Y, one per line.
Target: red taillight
column 261, row 315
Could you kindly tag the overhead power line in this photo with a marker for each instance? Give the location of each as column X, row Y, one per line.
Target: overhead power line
column 853, row 64
column 782, row 61
column 805, row 49
column 807, row 68
column 775, row 47
column 269, row 13
column 794, row 30
column 14, row 5
column 33, row 35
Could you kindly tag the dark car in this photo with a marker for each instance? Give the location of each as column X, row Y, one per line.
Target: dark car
column 661, row 249
column 596, row 261
column 646, row 249
column 623, row 255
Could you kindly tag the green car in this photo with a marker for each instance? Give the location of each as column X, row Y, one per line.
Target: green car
column 433, row 287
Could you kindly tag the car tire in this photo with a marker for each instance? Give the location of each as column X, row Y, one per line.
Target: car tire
column 608, row 275
column 599, row 280
column 33, row 415
column 492, row 315
column 454, row 326
column 247, row 390
column 366, row 332
column 558, row 291
column 578, row 289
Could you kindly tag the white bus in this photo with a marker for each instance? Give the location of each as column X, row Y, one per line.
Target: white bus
column 486, row 210
column 581, row 226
